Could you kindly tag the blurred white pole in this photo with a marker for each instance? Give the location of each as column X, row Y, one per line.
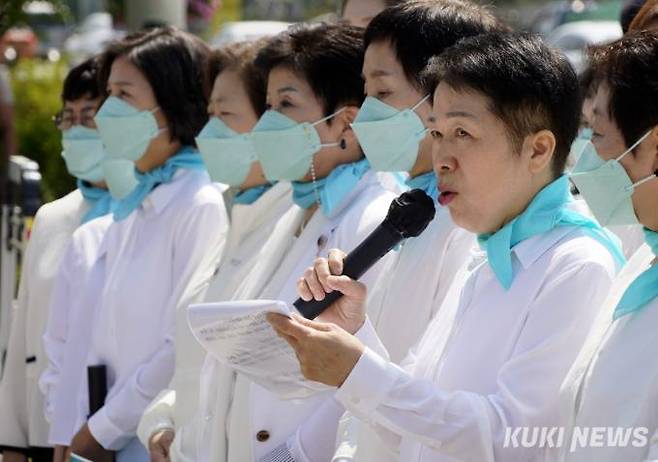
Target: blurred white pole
column 142, row 12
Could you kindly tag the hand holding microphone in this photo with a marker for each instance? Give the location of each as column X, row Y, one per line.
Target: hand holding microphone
column 329, row 279
column 326, row 350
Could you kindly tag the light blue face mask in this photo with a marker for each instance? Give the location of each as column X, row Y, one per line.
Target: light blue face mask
column 606, row 187
column 389, row 137
column 579, row 144
column 83, row 153
column 125, row 130
column 120, row 177
column 228, row 155
column 284, row 147
column 126, row 133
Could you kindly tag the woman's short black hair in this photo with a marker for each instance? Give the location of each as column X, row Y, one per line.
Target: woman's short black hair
column 328, row 56
column 174, row 63
column 629, row 67
column 530, row 86
column 240, row 57
column 420, row 29
column 82, row 81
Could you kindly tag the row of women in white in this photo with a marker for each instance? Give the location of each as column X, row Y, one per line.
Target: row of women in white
column 514, row 309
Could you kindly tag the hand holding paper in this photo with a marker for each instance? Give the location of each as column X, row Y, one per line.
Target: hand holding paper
column 237, row 333
column 326, row 352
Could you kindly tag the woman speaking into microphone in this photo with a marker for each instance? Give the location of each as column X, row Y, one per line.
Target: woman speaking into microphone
column 506, row 110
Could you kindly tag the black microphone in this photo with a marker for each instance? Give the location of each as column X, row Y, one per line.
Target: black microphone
column 408, row 216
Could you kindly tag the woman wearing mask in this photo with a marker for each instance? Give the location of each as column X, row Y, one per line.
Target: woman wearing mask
column 23, row 429
column 304, row 138
column 506, row 111
column 631, row 236
column 236, row 102
column 391, row 128
column 166, row 236
column 616, row 376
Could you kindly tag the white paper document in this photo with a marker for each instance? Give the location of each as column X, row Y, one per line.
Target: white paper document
column 237, row 334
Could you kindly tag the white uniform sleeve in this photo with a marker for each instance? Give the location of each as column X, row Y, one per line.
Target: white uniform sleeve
column 200, row 242
column 56, row 333
column 460, row 423
column 158, row 416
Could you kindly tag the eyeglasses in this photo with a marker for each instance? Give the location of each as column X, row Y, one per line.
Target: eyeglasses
column 66, row 119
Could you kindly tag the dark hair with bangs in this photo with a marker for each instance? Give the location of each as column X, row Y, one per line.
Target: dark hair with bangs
column 240, row 57
column 174, row 63
column 82, row 81
column 629, row 67
column 420, row 29
column 530, row 86
column 328, row 56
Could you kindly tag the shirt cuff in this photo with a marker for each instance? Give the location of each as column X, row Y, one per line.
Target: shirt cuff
column 157, row 417
column 106, row 433
column 368, row 336
column 368, row 383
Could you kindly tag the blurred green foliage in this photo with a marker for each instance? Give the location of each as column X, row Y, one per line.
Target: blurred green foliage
column 37, row 86
column 12, row 12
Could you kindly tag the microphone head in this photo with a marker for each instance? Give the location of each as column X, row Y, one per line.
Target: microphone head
column 411, row 212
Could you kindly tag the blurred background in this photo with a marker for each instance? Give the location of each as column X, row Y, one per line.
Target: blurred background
column 39, row 40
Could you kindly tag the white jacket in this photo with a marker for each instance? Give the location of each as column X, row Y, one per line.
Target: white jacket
column 258, row 421
column 614, row 382
column 22, row 423
column 178, row 408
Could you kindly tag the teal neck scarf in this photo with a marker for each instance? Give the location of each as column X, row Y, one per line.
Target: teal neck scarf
column 644, row 288
column 251, row 195
column 100, row 200
column 330, row 190
column 548, row 210
column 425, row 182
column 187, row 158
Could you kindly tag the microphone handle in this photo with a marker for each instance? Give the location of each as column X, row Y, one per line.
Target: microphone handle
column 378, row 243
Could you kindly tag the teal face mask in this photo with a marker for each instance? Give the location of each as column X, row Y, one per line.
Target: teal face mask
column 120, row 177
column 389, row 137
column 126, row 131
column 581, row 142
column 606, row 187
column 228, row 155
column 284, row 147
column 83, row 153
